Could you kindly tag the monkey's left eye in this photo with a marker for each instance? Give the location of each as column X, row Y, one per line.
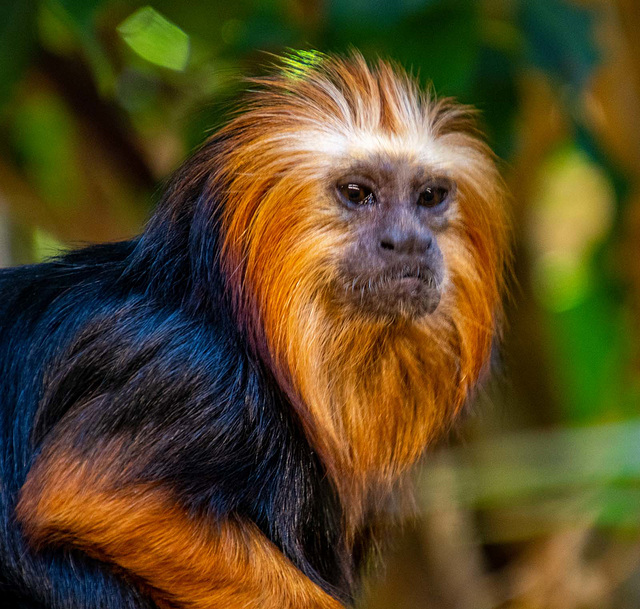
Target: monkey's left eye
column 356, row 194
column 433, row 196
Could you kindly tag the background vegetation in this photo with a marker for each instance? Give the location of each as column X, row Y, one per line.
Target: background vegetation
column 536, row 503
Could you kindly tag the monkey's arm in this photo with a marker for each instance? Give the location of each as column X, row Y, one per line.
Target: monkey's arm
column 154, row 436
column 180, row 559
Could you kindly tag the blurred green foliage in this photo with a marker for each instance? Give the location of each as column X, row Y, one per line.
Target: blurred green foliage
column 465, row 51
column 101, row 99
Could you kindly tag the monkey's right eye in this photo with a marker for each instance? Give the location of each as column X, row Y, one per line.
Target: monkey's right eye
column 356, row 194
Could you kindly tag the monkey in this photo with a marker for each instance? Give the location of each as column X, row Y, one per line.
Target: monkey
column 215, row 413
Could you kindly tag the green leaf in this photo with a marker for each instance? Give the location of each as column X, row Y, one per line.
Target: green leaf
column 156, row 39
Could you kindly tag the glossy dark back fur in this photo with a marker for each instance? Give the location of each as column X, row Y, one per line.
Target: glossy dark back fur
column 133, row 329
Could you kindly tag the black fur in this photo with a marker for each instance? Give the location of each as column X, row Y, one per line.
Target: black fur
column 137, row 339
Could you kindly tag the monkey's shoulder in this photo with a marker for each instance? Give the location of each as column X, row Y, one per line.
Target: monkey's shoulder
column 77, row 328
column 109, row 361
column 28, row 292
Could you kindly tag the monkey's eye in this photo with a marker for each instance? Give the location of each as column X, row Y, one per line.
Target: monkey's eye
column 433, row 196
column 356, row 194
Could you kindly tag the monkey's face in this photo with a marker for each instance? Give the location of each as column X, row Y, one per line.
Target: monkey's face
column 364, row 245
column 355, row 203
column 394, row 210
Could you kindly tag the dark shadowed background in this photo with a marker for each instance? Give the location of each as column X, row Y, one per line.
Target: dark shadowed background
column 535, row 502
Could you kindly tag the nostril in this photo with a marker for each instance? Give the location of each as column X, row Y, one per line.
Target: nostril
column 406, row 242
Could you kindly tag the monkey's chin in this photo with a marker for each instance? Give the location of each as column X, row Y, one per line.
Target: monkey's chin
column 398, row 300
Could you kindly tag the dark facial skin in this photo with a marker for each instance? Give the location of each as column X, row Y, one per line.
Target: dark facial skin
column 394, row 267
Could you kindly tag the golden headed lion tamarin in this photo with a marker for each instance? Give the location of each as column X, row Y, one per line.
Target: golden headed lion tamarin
column 213, row 415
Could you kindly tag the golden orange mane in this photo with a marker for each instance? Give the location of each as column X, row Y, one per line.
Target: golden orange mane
column 371, row 393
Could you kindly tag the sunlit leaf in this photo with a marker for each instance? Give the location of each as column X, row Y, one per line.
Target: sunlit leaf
column 298, row 63
column 156, row 39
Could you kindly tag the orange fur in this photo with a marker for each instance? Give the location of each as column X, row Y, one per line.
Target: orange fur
column 181, row 559
column 371, row 394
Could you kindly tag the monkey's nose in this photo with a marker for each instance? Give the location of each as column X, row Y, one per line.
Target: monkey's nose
column 397, row 243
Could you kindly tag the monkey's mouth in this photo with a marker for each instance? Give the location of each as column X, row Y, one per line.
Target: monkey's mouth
column 400, row 292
